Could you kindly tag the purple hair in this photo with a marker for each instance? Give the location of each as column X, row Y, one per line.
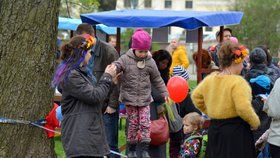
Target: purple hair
column 72, row 57
column 65, row 67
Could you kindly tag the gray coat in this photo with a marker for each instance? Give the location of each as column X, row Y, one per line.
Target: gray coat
column 273, row 105
column 105, row 54
column 83, row 132
column 136, row 82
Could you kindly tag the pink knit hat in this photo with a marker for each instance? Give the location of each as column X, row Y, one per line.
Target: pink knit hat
column 141, row 40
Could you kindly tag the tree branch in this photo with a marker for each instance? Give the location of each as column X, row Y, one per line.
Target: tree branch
column 87, row 8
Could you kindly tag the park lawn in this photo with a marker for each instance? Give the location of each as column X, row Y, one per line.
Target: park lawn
column 192, row 84
column 58, row 147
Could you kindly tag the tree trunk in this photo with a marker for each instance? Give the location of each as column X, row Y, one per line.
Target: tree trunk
column 28, row 33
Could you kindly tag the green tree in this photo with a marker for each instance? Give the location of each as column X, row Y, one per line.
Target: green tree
column 28, row 32
column 125, row 38
column 106, row 5
column 260, row 24
column 73, row 8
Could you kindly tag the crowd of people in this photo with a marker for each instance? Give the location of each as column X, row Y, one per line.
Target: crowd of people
column 234, row 112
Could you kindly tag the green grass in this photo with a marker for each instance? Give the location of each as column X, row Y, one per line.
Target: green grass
column 192, row 84
column 58, row 148
column 122, row 137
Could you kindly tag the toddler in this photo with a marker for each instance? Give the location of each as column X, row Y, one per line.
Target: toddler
column 194, row 145
column 139, row 73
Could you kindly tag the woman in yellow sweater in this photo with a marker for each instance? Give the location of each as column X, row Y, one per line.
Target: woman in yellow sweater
column 226, row 98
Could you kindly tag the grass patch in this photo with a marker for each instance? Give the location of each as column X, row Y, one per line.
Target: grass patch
column 192, row 84
column 58, row 148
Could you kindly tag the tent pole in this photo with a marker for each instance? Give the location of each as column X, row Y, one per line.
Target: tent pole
column 94, row 28
column 71, row 33
column 199, row 55
column 107, row 38
column 119, row 40
column 221, row 33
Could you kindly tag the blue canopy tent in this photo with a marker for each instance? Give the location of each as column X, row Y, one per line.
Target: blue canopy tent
column 160, row 18
column 189, row 20
column 72, row 24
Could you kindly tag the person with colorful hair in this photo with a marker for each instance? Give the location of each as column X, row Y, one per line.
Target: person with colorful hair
column 232, row 115
column 82, row 129
column 140, row 72
column 104, row 54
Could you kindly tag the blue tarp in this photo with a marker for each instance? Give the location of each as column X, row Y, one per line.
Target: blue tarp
column 161, row 18
column 72, row 24
column 68, row 23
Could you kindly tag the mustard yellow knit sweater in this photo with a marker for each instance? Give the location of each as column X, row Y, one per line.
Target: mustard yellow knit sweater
column 225, row 96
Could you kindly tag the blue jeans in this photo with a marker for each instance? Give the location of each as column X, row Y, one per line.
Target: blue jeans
column 265, row 152
column 111, row 122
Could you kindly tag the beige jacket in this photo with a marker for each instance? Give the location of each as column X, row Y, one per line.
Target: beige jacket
column 136, row 82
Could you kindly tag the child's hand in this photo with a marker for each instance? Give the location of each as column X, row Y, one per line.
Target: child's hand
column 167, row 100
column 109, row 110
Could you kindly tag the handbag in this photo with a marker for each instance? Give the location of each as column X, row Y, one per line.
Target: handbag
column 159, row 131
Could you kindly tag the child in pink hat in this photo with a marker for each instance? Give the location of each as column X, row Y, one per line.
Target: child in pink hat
column 139, row 74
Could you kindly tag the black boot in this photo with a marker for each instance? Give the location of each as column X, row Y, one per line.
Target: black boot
column 145, row 149
column 131, row 150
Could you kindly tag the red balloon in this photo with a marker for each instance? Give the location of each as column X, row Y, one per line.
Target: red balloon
column 178, row 88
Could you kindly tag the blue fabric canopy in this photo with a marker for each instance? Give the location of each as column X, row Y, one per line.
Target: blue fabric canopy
column 161, row 18
column 68, row 23
column 72, row 24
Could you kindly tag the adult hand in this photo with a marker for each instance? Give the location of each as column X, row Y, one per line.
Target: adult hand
column 111, row 69
column 109, row 110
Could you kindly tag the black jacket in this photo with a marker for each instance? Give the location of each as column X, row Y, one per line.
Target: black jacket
column 83, row 132
column 257, row 103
